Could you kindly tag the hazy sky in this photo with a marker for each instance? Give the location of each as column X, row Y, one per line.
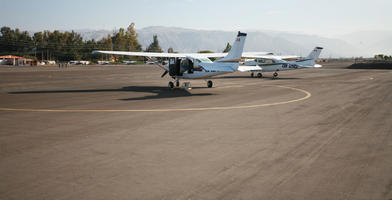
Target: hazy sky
column 326, row 17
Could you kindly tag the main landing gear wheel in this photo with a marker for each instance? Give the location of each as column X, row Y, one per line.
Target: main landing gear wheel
column 171, row 85
column 209, row 84
column 252, row 74
column 259, row 75
column 276, row 75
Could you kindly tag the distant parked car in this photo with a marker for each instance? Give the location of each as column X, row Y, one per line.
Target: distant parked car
column 129, row 62
column 103, row 62
column 83, row 62
column 50, row 62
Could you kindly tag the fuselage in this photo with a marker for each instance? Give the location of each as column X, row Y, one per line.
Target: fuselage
column 203, row 70
column 290, row 65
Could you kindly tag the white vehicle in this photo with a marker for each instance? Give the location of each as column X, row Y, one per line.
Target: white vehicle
column 3, row 61
column 271, row 63
column 194, row 65
column 83, row 62
column 126, row 62
column 50, row 62
column 150, row 63
column 103, row 62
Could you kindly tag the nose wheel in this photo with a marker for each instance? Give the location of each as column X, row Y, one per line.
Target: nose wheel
column 276, row 75
column 171, row 85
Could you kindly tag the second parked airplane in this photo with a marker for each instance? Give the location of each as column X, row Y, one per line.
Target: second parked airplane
column 271, row 63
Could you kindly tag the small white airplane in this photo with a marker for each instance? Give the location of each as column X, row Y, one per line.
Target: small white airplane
column 194, row 65
column 271, row 63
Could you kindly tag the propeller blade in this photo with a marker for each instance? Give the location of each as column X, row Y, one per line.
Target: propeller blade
column 164, row 74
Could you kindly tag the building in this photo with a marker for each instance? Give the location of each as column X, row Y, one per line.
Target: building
column 17, row 61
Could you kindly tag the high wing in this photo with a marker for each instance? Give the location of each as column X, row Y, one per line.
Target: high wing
column 163, row 55
column 267, row 56
column 144, row 54
column 176, row 55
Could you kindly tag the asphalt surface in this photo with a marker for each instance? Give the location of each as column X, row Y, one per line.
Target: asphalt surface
column 118, row 132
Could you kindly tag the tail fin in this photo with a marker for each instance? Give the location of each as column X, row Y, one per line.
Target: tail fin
column 314, row 55
column 235, row 53
column 310, row 61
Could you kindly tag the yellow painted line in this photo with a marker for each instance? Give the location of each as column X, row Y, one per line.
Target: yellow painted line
column 307, row 96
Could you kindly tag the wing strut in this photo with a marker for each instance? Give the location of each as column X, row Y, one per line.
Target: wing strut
column 159, row 65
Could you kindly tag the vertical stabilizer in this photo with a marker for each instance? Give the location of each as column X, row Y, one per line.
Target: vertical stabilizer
column 310, row 60
column 235, row 53
column 314, row 55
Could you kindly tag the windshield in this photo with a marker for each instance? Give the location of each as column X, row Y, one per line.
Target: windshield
column 205, row 60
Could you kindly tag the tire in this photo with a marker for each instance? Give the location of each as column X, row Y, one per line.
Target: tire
column 171, row 85
column 177, row 83
column 276, row 74
column 252, row 75
column 209, row 84
column 259, row 75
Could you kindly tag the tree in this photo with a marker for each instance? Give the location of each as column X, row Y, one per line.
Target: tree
column 154, row 46
column 170, row 50
column 119, row 41
column 15, row 42
column 133, row 43
column 228, row 48
column 64, row 46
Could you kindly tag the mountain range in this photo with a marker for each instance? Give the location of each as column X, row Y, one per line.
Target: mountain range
column 358, row 44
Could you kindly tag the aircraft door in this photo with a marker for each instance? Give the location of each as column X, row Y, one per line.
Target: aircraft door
column 174, row 67
column 186, row 66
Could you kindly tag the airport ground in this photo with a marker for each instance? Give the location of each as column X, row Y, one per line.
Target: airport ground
column 118, row 132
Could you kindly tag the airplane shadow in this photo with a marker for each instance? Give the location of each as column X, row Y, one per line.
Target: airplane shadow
column 282, row 78
column 160, row 92
column 265, row 77
column 226, row 77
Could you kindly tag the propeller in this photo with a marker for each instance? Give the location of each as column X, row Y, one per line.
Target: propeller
column 164, row 73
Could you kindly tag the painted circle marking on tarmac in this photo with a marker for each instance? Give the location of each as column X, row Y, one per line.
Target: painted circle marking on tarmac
column 307, row 96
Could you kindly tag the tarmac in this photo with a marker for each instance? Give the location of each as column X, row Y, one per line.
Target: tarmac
column 118, row 132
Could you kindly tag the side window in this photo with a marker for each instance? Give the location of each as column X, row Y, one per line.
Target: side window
column 172, row 61
column 196, row 64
